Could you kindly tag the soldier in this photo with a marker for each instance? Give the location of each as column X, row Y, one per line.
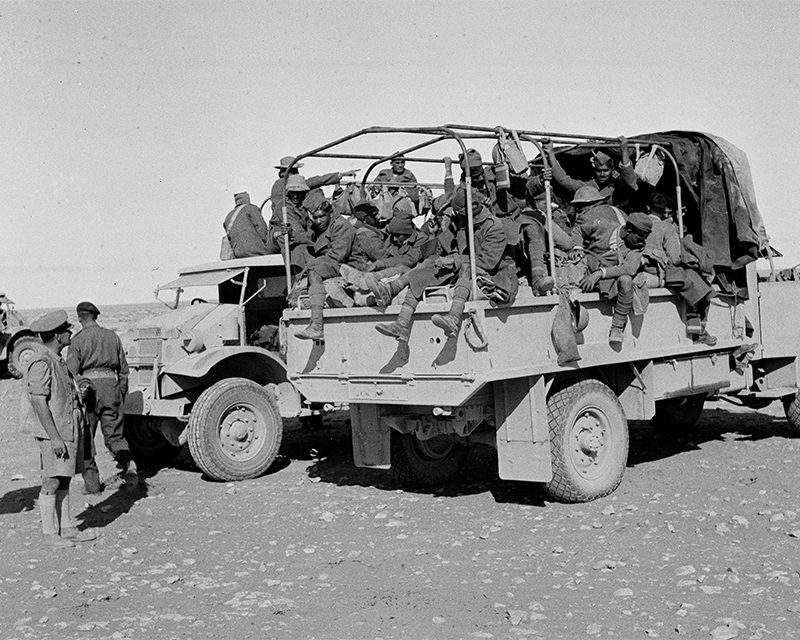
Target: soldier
column 276, row 194
column 55, row 418
column 614, row 256
column 616, row 185
column 96, row 353
column 246, row 229
column 398, row 174
column 330, row 243
column 452, row 264
column 296, row 226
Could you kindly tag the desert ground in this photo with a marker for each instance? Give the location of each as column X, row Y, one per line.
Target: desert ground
column 701, row 540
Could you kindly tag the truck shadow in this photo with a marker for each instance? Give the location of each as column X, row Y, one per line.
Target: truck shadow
column 648, row 444
column 332, row 458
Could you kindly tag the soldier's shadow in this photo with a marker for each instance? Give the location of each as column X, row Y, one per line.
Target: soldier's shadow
column 19, row 500
column 116, row 504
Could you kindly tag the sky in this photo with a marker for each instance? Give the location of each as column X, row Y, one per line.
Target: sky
column 126, row 127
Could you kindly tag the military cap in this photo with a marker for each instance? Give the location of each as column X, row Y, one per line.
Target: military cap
column 241, row 198
column 87, row 307
column 586, row 195
column 297, row 183
column 50, row 322
column 400, row 156
column 475, row 160
column 365, row 209
column 640, row 222
column 400, row 225
column 286, row 161
column 314, row 200
column 460, row 199
column 600, row 158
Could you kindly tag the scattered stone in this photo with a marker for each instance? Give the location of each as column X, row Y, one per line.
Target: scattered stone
column 438, row 620
column 594, row 629
column 624, row 592
column 516, row 616
column 685, row 570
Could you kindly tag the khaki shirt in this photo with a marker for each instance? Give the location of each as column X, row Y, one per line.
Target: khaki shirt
column 47, row 376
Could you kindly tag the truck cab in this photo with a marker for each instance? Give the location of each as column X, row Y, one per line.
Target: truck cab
column 212, row 373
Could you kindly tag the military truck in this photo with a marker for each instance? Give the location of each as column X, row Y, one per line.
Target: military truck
column 213, row 373
column 16, row 339
column 417, row 408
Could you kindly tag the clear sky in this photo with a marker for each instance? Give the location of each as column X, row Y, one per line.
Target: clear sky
column 126, row 127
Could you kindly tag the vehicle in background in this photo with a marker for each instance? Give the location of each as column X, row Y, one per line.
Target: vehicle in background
column 16, row 339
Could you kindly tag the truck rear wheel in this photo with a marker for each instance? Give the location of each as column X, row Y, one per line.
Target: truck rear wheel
column 21, row 352
column 421, row 463
column 678, row 415
column 588, row 441
column 149, row 447
column 791, row 406
column 235, row 430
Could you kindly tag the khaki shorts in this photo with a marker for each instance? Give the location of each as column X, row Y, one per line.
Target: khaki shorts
column 53, row 467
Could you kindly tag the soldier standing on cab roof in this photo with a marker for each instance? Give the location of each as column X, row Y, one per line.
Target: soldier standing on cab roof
column 96, row 353
column 55, row 418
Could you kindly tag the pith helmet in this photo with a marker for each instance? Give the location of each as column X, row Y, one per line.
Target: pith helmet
column 286, row 161
column 587, row 195
column 297, row 183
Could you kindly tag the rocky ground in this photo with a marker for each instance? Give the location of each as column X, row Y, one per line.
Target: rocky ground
column 701, row 540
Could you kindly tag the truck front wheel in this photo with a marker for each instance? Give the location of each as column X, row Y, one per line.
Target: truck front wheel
column 235, row 430
column 588, row 441
column 422, row 463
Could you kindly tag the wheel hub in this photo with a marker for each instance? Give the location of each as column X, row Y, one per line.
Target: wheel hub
column 589, row 441
column 238, row 431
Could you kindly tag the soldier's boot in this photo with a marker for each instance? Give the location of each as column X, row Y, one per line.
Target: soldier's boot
column 129, row 469
column 91, row 479
column 384, row 292
column 66, row 525
column 541, row 283
column 622, row 308
column 703, row 336
column 314, row 331
column 451, row 322
column 400, row 329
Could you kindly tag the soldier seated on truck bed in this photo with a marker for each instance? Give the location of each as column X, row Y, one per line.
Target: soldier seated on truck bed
column 678, row 264
column 613, row 257
column 402, row 248
column 330, row 243
column 451, row 264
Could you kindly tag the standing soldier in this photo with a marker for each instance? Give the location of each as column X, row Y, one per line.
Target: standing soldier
column 55, row 419
column 96, row 353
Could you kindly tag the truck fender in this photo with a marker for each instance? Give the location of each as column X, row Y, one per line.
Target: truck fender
column 260, row 365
